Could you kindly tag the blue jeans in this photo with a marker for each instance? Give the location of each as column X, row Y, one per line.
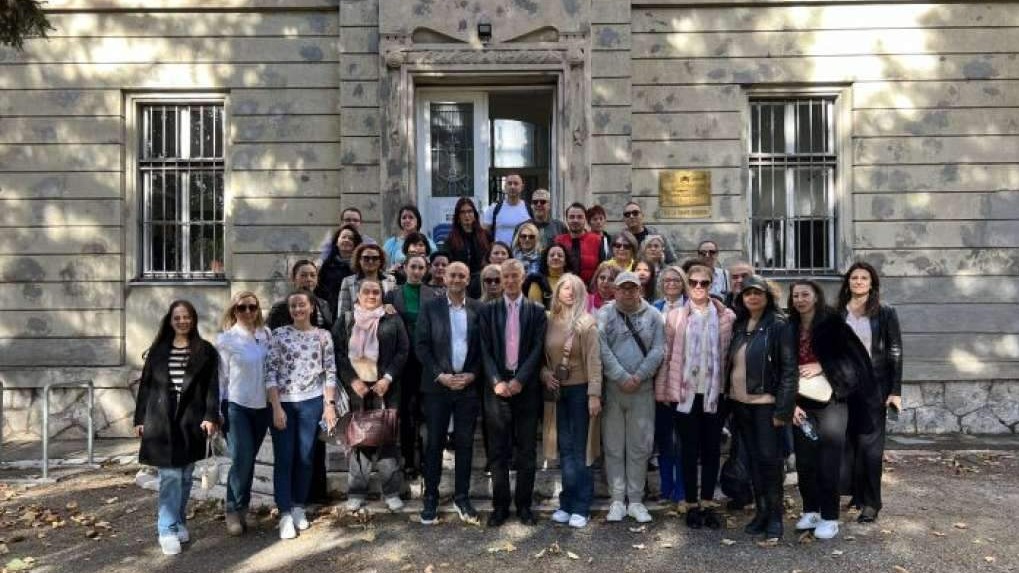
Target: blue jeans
column 572, row 421
column 174, row 491
column 293, row 448
column 668, row 452
column 244, row 436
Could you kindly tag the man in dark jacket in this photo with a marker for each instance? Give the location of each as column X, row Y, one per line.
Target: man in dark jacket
column 512, row 340
column 447, row 342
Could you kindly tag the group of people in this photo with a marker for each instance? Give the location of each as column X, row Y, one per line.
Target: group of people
column 606, row 345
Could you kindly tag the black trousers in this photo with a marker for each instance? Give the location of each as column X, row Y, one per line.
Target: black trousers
column 513, row 434
column 463, row 407
column 700, row 437
column 819, row 463
column 410, row 412
column 864, row 458
column 763, row 444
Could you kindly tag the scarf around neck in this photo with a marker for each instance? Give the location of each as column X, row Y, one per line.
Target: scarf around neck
column 364, row 339
column 702, row 361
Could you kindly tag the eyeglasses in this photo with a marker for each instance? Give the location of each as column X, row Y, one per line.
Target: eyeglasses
column 246, row 307
column 707, row 252
column 467, row 211
column 702, row 284
column 493, row 281
column 539, row 202
column 370, row 259
column 629, row 214
column 528, row 236
column 620, row 245
column 671, row 281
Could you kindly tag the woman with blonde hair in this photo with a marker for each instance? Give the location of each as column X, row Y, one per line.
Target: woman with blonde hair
column 603, row 287
column 652, row 250
column 572, row 375
column 491, row 283
column 624, row 250
column 243, row 347
column 527, row 247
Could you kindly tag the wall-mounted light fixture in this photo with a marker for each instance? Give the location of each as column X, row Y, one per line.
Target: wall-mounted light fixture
column 485, row 31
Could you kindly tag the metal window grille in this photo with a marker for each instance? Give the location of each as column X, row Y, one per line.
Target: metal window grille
column 180, row 171
column 792, row 184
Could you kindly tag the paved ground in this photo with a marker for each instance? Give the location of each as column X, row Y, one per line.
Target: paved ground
column 951, row 512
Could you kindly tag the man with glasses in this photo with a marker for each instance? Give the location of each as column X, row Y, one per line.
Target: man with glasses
column 633, row 217
column 582, row 246
column 502, row 217
column 512, row 342
column 349, row 216
column 708, row 250
column 541, row 209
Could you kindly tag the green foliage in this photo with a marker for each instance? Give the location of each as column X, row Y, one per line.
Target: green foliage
column 21, row 19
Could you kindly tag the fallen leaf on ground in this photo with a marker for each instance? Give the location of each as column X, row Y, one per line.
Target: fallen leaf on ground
column 113, row 499
column 540, row 554
column 507, row 547
column 960, row 525
column 937, row 534
column 71, row 506
column 17, row 565
column 430, row 569
column 886, row 531
column 768, row 543
column 572, row 555
column 640, row 529
column 407, row 567
column 666, row 545
column 806, row 537
column 837, row 552
column 990, row 559
column 727, row 541
column 638, row 546
column 899, row 569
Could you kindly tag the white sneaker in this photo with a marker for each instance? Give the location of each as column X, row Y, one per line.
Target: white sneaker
column 300, row 518
column 394, row 503
column 353, row 504
column 617, row 511
column 578, row 521
column 287, row 530
column 639, row 512
column 182, row 534
column 808, row 521
column 826, row 529
column 560, row 516
column 170, row 544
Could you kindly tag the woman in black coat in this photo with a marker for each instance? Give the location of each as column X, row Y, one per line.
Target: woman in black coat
column 877, row 326
column 177, row 410
column 828, row 347
column 371, row 349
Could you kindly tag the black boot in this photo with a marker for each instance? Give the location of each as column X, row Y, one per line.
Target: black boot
column 759, row 523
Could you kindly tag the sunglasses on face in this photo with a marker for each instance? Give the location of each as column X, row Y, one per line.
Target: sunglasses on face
column 246, row 307
column 370, row 259
column 702, row 284
column 707, row 252
column 539, row 202
column 629, row 214
column 620, row 246
column 528, row 237
column 493, row 281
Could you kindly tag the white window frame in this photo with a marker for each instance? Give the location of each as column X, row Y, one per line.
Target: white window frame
column 839, row 206
column 138, row 238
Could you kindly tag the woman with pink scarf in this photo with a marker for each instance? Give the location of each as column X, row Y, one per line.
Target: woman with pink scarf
column 697, row 337
column 371, row 348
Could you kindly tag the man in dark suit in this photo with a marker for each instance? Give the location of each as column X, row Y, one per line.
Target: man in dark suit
column 512, row 341
column 447, row 341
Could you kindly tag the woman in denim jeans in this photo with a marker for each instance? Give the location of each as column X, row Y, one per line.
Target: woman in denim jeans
column 575, row 377
column 301, row 383
column 176, row 411
column 243, row 347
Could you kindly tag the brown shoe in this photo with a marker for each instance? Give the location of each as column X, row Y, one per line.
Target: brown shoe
column 234, row 523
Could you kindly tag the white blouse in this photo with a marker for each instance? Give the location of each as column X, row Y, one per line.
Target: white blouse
column 242, row 357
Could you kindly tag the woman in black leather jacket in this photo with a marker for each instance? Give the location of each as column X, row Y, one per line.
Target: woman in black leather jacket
column 877, row 326
column 761, row 387
column 828, row 347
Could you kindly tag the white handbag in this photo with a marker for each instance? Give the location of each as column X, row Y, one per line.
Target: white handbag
column 208, row 469
column 815, row 388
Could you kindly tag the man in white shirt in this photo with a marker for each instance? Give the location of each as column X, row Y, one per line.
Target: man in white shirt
column 502, row 217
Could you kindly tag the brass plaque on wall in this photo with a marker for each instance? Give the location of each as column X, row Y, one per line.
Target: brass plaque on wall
column 684, row 194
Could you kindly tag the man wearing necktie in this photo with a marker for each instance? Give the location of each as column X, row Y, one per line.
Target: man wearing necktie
column 512, row 337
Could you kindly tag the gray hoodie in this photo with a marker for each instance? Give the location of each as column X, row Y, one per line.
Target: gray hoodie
column 620, row 354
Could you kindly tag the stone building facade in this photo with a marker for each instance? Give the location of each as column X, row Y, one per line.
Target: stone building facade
column 831, row 131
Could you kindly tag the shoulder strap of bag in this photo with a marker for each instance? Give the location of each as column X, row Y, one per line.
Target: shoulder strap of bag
column 567, row 348
column 633, row 331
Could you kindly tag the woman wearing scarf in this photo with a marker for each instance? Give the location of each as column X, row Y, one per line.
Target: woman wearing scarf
column 371, row 349
column 527, row 248
column 672, row 285
column 603, row 286
column 697, row 337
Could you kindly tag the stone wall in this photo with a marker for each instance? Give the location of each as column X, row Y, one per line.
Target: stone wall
column 959, row 406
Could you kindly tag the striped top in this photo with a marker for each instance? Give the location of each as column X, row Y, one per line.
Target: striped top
column 178, row 364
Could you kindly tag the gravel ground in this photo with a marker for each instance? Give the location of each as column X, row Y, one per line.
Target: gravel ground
column 944, row 513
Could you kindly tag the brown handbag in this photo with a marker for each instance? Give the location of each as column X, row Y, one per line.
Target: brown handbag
column 372, row 428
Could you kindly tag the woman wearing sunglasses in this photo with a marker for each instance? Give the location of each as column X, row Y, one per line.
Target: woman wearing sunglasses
column 243, row 347
column 527, row 247
column 624, row 250
column 368, row 262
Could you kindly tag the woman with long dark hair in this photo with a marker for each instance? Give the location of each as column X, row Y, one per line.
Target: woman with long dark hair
column 877, row 326
column 336, row 265
column 540, row 286
column 761, row 392
column 827, row 347
column 243, row 347
column 409, row 220
column 176, row 412
column 468, row 241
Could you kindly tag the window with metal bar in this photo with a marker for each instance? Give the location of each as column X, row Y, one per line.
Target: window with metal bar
column 793, row 165
column 181, row 183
